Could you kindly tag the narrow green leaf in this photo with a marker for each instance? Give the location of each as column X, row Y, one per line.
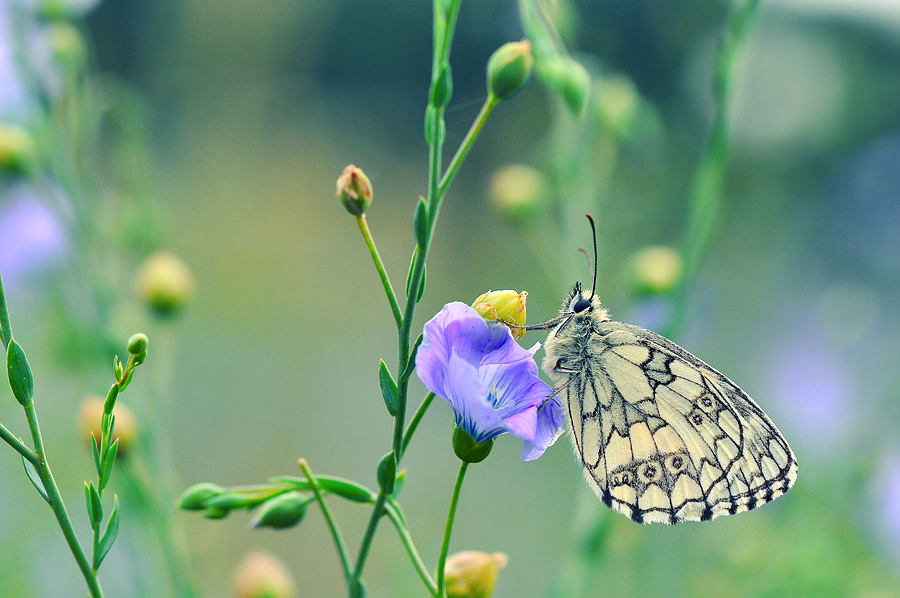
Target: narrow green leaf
column 20, row 379
column 106, row 467
column 109, row 536
column 388, row 388
column 35, row 478
column 387, row 472
column 398, row 484
column 411, row 364
column 343, row 488
column 94, row 505
column 420, row 223
column 412, row 266
column 95, row 453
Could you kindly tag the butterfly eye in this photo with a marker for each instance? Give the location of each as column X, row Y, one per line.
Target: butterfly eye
column 581, row 305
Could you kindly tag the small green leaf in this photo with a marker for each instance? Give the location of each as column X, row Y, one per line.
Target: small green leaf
column 387, row 472
column 95, row 453
column 343, row 488
column 35, row 478
column 109, row 536
column 409, row 276
column 94, row 505
column 388, row 388
column 106, row 467
column 398, row 485
column 442, row 88
column 20, row 379
column 411, row 364
column 420, row 223
column 110, row 401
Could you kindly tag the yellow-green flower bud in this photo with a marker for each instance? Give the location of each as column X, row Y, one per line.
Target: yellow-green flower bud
column 468, row 449
column 506, row 307
column 90, row 414
column 68, row 45
column 569, row 79
column 17, row 149
column 284, row 511
column 654, row 269
column 137, row 346
column 355, row 190
column 617, row 104
column 517, row 193
column 195, row 497
column 262, row 575
column 164, row 282
column 472, row 574
column 509, row 69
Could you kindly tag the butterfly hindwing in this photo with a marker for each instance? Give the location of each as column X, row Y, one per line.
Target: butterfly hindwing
column 663, row 437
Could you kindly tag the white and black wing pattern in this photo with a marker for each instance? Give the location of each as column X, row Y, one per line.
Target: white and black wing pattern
column 662, row 436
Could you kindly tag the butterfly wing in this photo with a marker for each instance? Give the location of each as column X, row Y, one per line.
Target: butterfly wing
column 663, row 437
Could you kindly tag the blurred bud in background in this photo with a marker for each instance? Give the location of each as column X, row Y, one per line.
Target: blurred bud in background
column 503, row 307
column 472, row 574
column 654, row 269
column 17, row 150
column 262, row 575
column 570, row 80
column 617, row 105
column 509, row 69
column 355, row 190
column 164, row 283
column 517, row 193
column 126, row 429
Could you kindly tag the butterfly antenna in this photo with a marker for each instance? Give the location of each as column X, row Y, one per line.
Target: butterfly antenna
column 594, row 279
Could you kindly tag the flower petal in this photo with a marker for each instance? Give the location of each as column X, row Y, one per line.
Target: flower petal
column 523, row 424
column 549, row 427
column 467, row 394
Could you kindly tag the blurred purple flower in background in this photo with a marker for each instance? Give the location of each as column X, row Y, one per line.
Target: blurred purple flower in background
column 31, row 237
column 491, row 382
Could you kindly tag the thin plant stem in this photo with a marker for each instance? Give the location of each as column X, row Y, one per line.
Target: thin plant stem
column 467, row 143
column 382, row 272
column 20, row 446
column 5, row 328
column 329, row 519
column 448, row 529
column 416, row 418
column 706, row 189
column 392, row 510
column 59, row 508
column 367, row 542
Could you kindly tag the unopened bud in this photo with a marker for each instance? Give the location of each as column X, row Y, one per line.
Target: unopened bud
column 355, row 190
column 137, row 346
column 570, row 80
column 472, row 574
column 509, row 69
column 284, row 511
column 506, row 307
column 517, row 193
column 654, row 269
column 617, row 103
column 90, row 414
column 164, row 282
column 68, row 45
column 195, row 497
column 262, row 575
column 17, row 149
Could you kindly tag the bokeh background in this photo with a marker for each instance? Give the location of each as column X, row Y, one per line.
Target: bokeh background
column 233, row 119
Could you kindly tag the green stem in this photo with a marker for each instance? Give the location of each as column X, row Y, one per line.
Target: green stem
column 20, row 447
column 414, row 422
column 379, row 265
column 393, row 512
column 467, row 143
column 367, row 543
column 706, row 188
column 448, row 529
column 329, row 519
column 59, row 508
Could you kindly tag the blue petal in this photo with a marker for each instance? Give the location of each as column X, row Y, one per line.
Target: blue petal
column 549, row 427
column 467, row 394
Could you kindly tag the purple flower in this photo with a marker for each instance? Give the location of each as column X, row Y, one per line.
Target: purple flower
column 491, row 382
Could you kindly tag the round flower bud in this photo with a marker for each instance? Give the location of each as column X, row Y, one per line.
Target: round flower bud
column 164, row 282
column 617, row 104
column 68, row 45
column 504, row 307
column 137, row 344
column 569, row 79
column 472, row 574
column 17, row 149
column 517, row 193
column 195, row 497
column 262, row 575
column 654, row 269
column 468, row 449
column 284, row 511
column 90, row 413
column 509, row 69
column 355, row 190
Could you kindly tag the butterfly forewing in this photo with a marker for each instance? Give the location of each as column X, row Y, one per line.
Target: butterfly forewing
column 661, row 436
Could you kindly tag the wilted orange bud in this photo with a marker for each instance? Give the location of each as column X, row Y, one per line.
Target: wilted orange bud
column 505, row 307
column 355, row 190
column 91, row 412
column 262, row 575
column 472, row 574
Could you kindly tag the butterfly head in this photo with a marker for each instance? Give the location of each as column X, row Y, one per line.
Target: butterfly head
column 582, row 303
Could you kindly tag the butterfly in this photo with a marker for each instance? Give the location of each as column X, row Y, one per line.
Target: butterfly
column 661, row 436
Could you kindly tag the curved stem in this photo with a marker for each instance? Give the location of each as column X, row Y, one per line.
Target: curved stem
column 467, row 143
column 448, row 529
column 59, row 508
column 414, row 422
column 379, row 265
column 329, row 519
column 392, row 510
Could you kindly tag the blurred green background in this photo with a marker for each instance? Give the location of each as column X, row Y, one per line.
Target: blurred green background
column 253, row 109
